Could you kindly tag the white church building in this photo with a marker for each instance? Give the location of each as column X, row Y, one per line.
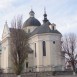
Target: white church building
column 45, row 41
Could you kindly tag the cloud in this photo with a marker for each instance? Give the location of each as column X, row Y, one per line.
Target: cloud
column 4, row 3
column 67, row 23
column 61, row 12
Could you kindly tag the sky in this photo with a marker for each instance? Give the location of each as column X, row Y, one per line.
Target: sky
column 61, row 12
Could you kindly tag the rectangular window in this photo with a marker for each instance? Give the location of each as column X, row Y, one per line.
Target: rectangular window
column 44, row 48
column 53, row 27
column 35, row 49
column 26, row 64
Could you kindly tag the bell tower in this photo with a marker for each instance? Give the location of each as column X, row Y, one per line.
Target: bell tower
column 45, row 16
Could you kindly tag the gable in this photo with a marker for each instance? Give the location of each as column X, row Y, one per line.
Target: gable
column 6, row 31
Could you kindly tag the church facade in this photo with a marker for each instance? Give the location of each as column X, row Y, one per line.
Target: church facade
column 45, row 41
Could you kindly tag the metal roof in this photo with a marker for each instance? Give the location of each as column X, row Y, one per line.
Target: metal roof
column 31, row 21
column 44, row 29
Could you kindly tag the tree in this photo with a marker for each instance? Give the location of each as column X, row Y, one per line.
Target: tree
column 19, row 45
column 69, row 46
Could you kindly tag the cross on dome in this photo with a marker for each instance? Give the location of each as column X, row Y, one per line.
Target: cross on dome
column 31, row 13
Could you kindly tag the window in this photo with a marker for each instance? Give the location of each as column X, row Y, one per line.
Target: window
column 28, row 30
column 52, row 27
column 26, row 64
column 44, row 48
column 53, row 42
column 35, row 49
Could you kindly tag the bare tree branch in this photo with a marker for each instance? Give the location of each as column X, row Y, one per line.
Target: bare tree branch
column 69, row 46
column 19, row 45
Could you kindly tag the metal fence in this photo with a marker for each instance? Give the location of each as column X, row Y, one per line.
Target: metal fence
column 41, row 74
column 37, row 69
column 43, row 68
column 44, row 71
column 7, row 75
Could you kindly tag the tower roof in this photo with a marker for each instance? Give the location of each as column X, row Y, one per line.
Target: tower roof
column 44, row 29
column 45, row 17
column 31, row 13
column 31, row 21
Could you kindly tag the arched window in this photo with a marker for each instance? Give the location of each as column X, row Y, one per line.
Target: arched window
column 44, row 48
column 35, row 49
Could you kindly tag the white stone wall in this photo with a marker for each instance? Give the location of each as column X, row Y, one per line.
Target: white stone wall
column 30, row 60
column 5, row 58
column 0, row 60
column 53, row 51
column 5, row 55
column 0, row 53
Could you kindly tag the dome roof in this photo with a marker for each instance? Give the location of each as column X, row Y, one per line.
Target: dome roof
column 31, row 21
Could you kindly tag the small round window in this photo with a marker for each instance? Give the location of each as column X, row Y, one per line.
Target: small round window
column 53, row 42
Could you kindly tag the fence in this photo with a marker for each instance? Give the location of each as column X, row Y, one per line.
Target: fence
column 41, row 74
column 36, row 69
column 7, row 75
column 44, row 68
column 47, row 71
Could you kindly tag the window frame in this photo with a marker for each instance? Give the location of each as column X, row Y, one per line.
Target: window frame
column 44, row 48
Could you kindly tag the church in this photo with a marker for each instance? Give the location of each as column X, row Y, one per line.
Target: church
column 45, row 41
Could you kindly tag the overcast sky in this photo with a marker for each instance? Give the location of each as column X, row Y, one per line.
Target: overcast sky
column 61, row 12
